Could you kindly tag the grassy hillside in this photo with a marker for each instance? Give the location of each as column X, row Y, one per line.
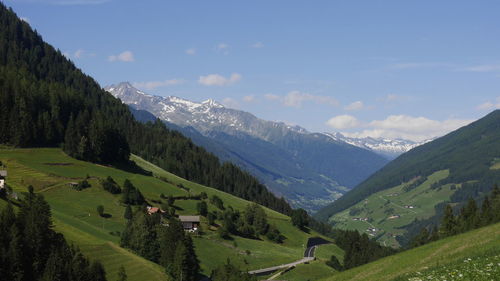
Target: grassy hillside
column 461, row 165
column 468, row 153
column 478, row 245
column 388, row 211
column 74, row 213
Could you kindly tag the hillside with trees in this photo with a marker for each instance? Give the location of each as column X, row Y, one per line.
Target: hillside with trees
column 31, row 250
column 46, row 101
column 469, row 154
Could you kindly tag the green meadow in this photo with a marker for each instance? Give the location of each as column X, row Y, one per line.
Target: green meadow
column 434, row 257
column 50, row 171
column 386, row 212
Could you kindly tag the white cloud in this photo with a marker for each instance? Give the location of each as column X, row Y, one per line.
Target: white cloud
column 250, row 98
column 156, row 84
column 231, row 103
column 25, row 19
column 343, row 122
column 222, row 48
column 357, row 105
column 191, row 51
column 407, row 127
column 126, row 56
column 272, row 97
column 482, row 68
column 257, row 45
column 219, row 80
column 297, row 98
column 489, row 105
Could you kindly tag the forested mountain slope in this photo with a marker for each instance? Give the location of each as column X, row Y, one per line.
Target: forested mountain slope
column 310, row 170
column 469, row 153
column 46, row 101
column 411, row 191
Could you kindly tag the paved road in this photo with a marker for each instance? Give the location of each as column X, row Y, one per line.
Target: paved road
column 309, row 253
column 312, row 244
column 274, row 268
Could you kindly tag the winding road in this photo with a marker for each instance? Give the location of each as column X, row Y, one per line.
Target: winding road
column 312, row 244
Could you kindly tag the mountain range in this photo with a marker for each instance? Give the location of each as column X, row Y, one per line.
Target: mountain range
column 309, row 169
column 389, row 148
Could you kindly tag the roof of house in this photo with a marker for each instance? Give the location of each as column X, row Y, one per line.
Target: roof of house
column 189, row 218
column 3, row 173
column 152, row 210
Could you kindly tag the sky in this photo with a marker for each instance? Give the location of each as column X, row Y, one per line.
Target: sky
column 392, row 69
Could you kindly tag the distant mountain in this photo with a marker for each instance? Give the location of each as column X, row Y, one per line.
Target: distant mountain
column 389, row 148
column 309, row 169
column 411, row 191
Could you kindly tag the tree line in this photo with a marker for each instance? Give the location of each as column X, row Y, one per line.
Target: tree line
column 46, row 101
column 252, row 223
column 31, row 250
column 358, row 248
column 470, row 217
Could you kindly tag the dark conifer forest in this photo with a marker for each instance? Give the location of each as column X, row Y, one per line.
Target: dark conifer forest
column 45, row 101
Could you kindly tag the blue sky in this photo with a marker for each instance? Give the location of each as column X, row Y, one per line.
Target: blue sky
column 410, row 69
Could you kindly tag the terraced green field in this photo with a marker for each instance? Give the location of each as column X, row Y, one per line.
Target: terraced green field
column 390, row 209
column 74, row 213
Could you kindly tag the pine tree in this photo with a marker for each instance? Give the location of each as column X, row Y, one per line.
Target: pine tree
column 100, row 210
column 191, row 259
column 300, row 218
column 128, row 213
column 181, row 264
column 434, row 234
column 334, row 263
column 96, row 272
column 15, row 254
column 448, row 223
column 421, row 239
column 469, row 216
column 202, row 208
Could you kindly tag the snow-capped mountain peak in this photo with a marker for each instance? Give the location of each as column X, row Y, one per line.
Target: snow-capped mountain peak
column 203, row 116
column 390, row 148
column 212, row 103
column 210, row 115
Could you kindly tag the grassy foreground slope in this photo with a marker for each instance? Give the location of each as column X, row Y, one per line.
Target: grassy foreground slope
column 438, row 254
column 74, row 212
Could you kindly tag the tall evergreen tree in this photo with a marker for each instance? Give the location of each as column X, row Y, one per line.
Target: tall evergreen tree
column 128, row 213
column 31, row 250
column 449, row 224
